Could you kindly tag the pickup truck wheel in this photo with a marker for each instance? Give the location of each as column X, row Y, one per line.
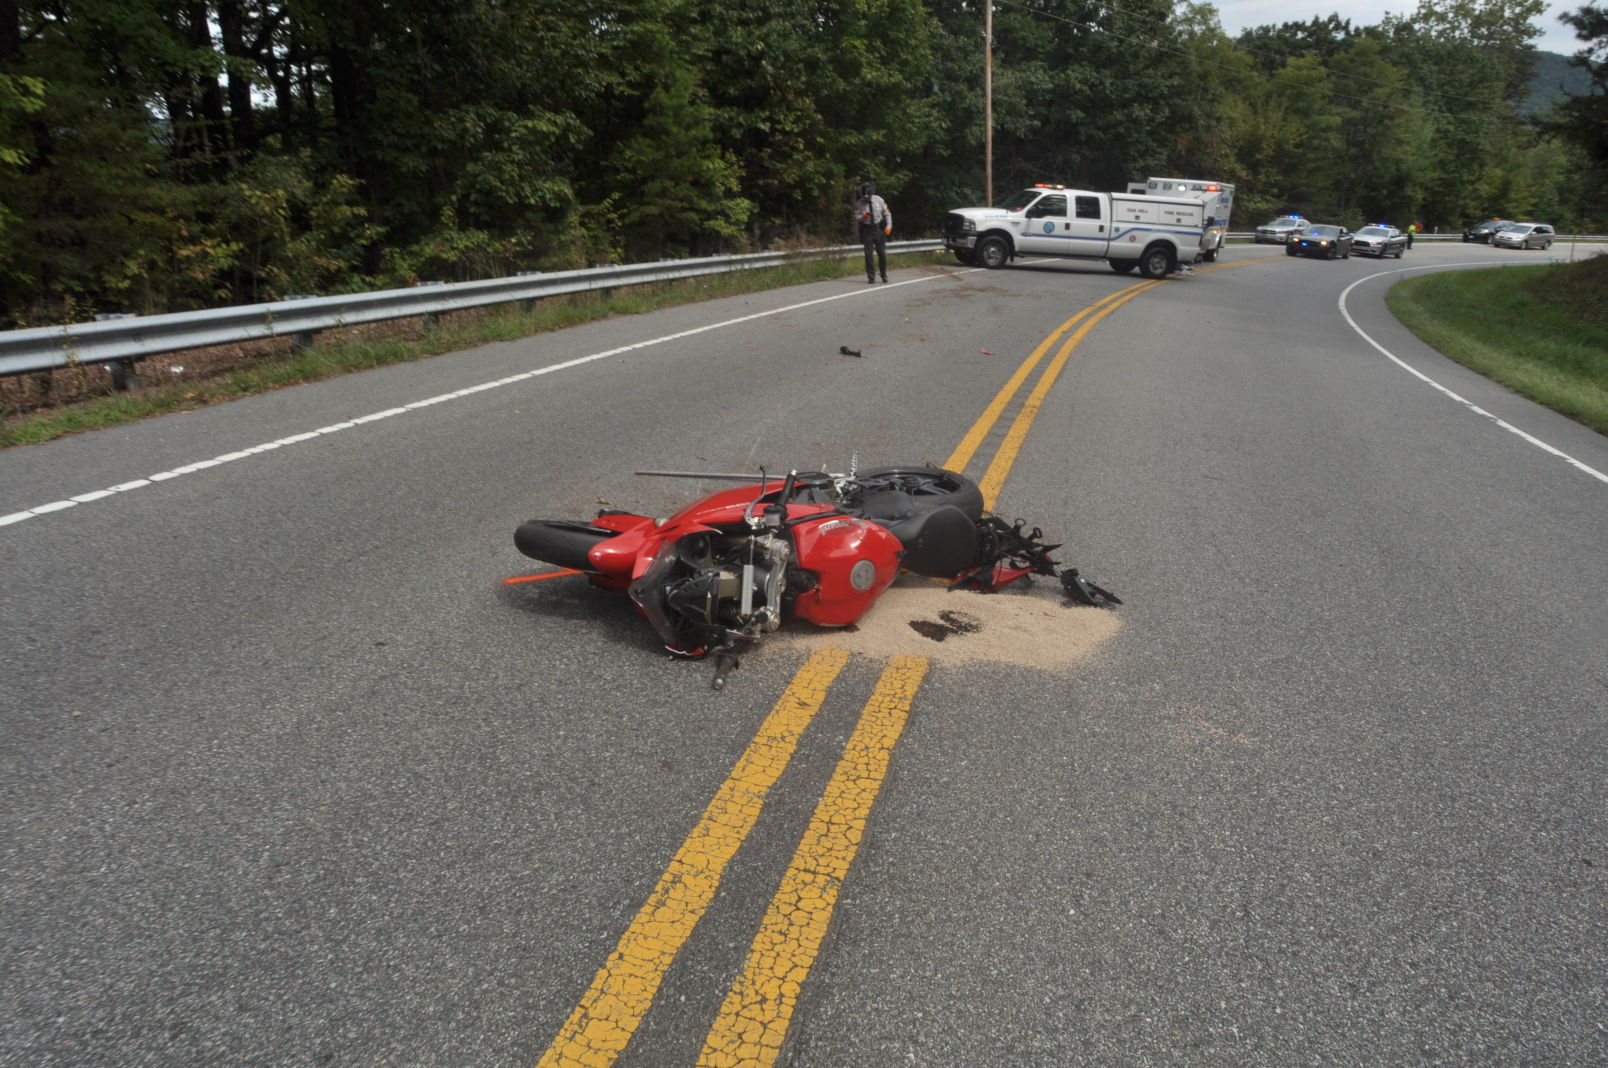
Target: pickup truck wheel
column 964, row 255
column 992, row 252
column 1157, row 262
column 1210, row 256
column 1122, row 266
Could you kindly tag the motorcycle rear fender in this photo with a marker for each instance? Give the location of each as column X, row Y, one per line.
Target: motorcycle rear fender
column 831, row 547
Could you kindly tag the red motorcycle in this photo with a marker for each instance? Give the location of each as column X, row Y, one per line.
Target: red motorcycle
column 738, row 563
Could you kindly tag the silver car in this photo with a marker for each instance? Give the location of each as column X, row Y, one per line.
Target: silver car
column 1524, row 235
column 1380, row 241
column 1280, row 230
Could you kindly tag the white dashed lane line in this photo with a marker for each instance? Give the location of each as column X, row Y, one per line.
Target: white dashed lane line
column 333, row 428
column 1465, row 402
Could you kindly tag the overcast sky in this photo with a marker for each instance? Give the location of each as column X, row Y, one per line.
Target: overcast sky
column 1238, row 15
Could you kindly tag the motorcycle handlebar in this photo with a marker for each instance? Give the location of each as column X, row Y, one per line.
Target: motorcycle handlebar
column 747, row 476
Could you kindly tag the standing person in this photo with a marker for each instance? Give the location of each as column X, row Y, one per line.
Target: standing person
column 876, row 223
column 1412, row 228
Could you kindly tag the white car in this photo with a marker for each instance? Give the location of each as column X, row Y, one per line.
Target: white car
column 1524, row 235
column 1379, row 242
column 1280, row 230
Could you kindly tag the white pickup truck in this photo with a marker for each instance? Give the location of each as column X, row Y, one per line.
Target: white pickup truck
column 1154, row 234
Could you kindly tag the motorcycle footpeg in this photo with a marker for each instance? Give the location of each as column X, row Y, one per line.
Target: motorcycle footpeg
column 726, row 662
column 1082, row 590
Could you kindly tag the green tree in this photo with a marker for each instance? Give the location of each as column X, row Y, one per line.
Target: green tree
column 20, row 97
column 679, row 186
column 1084, row 92
column 1274, row 46
column 762, row 61
column 1379, row 135
column 1467, row 64
column 1290, row 147
column 813, row 98
column 1209, row 124
column 467, row 107
column 97, row 220
column 1583, row 120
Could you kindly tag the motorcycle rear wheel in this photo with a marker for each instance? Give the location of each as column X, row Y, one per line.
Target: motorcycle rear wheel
column 930, row 487
column 560, row 542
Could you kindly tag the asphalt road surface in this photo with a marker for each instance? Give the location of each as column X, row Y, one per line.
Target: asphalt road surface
column 292, row 777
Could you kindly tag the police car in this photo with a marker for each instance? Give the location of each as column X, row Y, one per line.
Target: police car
column 1322, row 240
column 1379, row 240
column 1280, row 230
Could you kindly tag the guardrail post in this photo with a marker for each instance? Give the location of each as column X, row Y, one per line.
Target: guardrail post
column 302, row 340
column 124, row 377
column 431, row 318
column 527, row 305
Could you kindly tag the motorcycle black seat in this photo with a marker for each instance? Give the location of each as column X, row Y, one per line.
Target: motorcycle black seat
column 940, row 543
column 886, row 505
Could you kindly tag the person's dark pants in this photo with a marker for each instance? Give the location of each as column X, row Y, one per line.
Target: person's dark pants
column 874, row 240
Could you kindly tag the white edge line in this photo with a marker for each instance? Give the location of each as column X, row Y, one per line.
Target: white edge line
column 1465, row 402
column 295, row 439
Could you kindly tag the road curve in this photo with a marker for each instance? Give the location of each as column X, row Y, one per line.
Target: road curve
column 292, row 777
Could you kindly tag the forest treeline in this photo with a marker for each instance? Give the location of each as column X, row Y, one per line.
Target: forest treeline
column 159, row 155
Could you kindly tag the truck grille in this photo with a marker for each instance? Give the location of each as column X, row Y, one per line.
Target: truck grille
column 954, row 225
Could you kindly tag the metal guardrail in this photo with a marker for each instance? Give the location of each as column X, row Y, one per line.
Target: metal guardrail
column 123, row 340
column 120, row 341
column 1457, row 235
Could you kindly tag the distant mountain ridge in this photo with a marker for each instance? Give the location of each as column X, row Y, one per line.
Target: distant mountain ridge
column 1554, row 77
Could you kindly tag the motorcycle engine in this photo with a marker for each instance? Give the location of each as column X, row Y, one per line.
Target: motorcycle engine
column 709, row 589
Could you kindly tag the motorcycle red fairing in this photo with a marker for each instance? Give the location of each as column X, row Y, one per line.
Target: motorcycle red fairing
column 737, row 563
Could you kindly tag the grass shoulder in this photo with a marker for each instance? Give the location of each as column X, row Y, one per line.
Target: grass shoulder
column 1542, row 331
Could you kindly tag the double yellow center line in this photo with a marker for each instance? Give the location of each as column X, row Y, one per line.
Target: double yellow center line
column 758, row 1009
column 754, row 1018
column 1005, row 455
column 601, row 1025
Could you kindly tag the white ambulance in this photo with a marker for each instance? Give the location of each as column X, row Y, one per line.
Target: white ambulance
column 1217, row 198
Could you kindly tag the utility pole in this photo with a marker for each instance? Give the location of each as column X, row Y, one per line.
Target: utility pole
column 988, row 103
